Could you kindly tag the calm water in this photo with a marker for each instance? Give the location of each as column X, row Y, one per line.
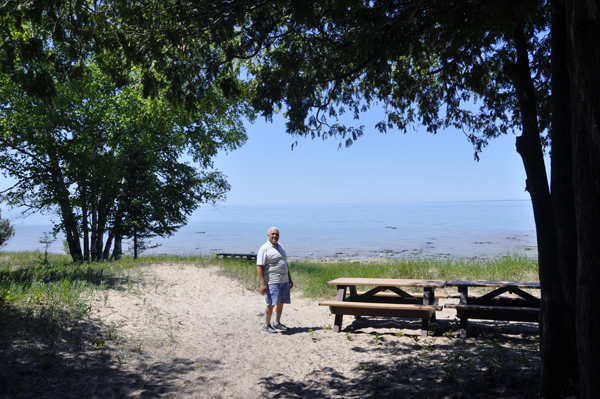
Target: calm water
column 454, row 229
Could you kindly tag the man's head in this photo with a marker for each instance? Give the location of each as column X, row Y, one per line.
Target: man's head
column 273, row 235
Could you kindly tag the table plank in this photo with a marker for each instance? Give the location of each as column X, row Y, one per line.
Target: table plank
column 493, row 283
column 388, row 282
column 373, row 305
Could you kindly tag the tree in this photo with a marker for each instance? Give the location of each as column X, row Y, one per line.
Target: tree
column 6, row 231
column 156, row 195
column 67, row 151
column 583, row 60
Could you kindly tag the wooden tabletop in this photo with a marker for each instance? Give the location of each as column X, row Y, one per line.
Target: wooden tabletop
column 388, row 282
column 493, row 283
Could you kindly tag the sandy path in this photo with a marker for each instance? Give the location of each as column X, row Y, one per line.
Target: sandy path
column 190, row 332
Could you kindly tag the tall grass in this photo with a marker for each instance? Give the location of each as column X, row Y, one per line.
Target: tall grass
column 311, row 277
column 50, row 291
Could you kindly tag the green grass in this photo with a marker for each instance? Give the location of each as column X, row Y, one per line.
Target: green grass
column 54, row 289
column 311, row 277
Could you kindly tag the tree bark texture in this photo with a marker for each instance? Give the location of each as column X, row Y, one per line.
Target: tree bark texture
column 554, row 370
column 583, row 29
column 563, row 202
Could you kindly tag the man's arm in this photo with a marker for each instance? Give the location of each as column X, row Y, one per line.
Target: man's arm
column 261, row 277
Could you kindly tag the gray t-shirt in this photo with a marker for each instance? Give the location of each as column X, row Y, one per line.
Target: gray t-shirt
column 273, row 259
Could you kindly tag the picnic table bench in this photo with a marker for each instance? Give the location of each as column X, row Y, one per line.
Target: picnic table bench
column 376, row 302
column 522, row 306
column 233, row 255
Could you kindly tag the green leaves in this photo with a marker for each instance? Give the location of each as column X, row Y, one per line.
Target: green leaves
column 68, row 149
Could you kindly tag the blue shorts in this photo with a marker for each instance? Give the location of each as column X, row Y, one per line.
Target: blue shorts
column 278, row 293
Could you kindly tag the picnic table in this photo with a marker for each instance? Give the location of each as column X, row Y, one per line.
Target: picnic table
column 385, row 299
column 520, row 306
column 234, row 255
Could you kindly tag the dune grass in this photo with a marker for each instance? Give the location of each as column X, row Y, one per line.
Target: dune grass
column 311, row 277
column 49, row 291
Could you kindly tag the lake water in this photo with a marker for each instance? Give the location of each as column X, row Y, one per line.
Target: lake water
column 483, row 229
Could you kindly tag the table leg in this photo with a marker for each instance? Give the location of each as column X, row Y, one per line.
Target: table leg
column 428, row 299
column 464, row 297
column 337, row 322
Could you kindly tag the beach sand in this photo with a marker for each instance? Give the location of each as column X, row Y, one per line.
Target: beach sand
column 190, row 332
column 181, row 331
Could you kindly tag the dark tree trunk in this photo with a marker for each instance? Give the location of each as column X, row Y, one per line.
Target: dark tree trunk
column 106, row 252
column 94, row 254
column 101, row 210
column 70, row 226
column 583, row 30
column 118, row 248
column 563, row 201
column 135, row 244
column 100, row 230
column 84, row 225
column 554, row 372
column 118, row 233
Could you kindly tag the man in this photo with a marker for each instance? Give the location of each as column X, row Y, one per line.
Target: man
column 275, row 279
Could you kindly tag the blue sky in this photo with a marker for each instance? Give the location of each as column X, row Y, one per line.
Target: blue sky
column 379, row 168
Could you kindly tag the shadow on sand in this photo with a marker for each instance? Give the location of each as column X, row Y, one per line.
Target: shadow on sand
column 499, row 360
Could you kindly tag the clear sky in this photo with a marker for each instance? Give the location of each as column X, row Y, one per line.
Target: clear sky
column 378, row 168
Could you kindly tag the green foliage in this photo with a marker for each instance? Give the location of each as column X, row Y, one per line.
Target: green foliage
column 7, row 231
column 68, row 152
column 437, row 65
column 72, row 103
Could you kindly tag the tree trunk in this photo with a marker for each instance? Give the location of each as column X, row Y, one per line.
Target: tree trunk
column 554, row 370
column 118, row 248
column 135, row 244
column 84, row 225
column 69, row 221
column 583, row 29
column 94, row 254
column 118, row 232
column 100, row 230
column 563, row 199
column 106, row 252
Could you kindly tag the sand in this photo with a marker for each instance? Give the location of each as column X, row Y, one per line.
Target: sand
column 190, row 332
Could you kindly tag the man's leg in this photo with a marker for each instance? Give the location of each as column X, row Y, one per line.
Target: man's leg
column 268, row 314
column 277, row 324
column 278, row 311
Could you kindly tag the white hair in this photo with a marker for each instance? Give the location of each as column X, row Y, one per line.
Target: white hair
column 272, row 229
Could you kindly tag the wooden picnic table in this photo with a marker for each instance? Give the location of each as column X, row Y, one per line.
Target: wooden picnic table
column 386, row 299
column 492, row 305
column 235, row 255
